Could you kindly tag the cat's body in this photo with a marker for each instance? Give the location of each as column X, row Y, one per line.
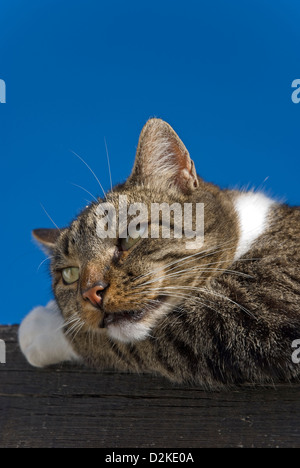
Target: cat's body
column 226, row 313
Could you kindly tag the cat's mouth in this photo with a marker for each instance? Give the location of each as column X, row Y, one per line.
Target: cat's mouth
column 126, row 316
column 118, row 317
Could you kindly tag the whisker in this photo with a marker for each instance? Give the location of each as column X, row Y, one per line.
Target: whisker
column 49, row 216
column 107, row 156
column 232, row 301
column 177, row 288
column 238, row 273
column 78, row 330
column 209, row 291
column 73, row 327
column 206, row 264
column 187, row 296
column 66, row 323
column 195, row 256
column 84, row 162
column 172, row 294
column 79, row 186
column 176, row 274
column 211, row 251
column 45, row 260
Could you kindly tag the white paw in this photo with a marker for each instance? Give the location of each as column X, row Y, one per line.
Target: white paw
column 41, row 337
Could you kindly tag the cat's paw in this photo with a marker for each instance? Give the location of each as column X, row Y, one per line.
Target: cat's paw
column 41, row 337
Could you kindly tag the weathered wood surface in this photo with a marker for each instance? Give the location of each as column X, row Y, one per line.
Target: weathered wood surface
column 68, row 406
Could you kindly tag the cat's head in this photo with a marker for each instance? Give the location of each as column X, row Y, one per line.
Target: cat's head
column 123, row 275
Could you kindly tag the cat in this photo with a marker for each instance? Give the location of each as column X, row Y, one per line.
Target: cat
column 223, row 314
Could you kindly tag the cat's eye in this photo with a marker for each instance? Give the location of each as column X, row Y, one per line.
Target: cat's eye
column 129, row 242
column 70, row 275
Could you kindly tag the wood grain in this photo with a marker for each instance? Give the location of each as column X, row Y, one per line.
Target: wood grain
column 70, row 406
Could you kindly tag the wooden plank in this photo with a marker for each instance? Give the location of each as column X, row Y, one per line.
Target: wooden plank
column 70, row 406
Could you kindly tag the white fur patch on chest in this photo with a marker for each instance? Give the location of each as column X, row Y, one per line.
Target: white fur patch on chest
column 253, row 210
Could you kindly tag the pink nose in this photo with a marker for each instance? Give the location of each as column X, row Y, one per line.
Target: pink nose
column 94, row 294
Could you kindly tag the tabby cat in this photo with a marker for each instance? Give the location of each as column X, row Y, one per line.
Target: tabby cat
column 225, row 313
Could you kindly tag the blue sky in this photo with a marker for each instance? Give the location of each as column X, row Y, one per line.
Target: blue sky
column 79, row 72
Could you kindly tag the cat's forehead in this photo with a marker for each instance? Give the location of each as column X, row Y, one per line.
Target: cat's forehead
column 84, row 227
column 82, row 236
column 117, row 200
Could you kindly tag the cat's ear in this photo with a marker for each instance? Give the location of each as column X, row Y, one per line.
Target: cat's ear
column 47, row 238
column 163, row 159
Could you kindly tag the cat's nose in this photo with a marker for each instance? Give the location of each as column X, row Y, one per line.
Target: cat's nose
column 94, row 294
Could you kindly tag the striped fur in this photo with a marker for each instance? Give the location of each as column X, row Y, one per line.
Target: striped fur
column 224, row 315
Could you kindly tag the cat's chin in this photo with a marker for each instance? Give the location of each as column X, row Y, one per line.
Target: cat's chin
column 136, row 326
column 128, row 332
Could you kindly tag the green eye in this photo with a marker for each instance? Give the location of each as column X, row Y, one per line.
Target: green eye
column 70, row 275
column 129, row 242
